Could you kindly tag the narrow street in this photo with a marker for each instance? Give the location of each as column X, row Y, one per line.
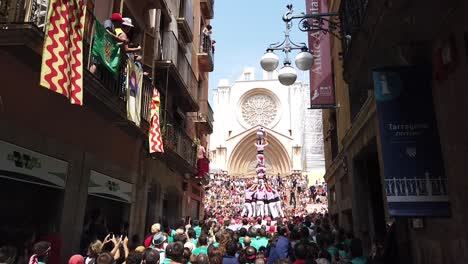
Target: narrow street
column 233, row 132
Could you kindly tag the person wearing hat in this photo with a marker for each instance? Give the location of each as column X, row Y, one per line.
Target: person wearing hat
column 158, row 244
column 127, row 26
column 113, row 23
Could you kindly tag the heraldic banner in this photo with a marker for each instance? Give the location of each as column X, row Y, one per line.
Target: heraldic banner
column 134, row 90
column 106, row 49
column 62, row 57
column 155, row 138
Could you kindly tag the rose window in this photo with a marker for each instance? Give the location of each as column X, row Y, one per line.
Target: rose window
column 259, row 110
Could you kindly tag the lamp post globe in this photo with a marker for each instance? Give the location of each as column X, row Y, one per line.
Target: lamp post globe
column 304, row 60
column 269, row 61
column 287, row 75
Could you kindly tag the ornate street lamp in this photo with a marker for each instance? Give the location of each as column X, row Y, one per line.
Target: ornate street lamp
column 304, row 60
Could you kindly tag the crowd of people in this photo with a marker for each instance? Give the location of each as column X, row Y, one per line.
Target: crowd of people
column 226, row 195
column 314, row 238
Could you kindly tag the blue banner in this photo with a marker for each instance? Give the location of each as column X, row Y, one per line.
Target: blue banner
column 415, row 181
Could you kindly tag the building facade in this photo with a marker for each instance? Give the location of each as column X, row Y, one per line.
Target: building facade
column 65, row 168
column 397, row 34
column 251, row 103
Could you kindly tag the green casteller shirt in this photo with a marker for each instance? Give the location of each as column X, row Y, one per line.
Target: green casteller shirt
column 359, row 260
column 170, row 239
column 259, row 242
column 241, row 241
column 332, row 250
column 197, row 231
column 200, row 250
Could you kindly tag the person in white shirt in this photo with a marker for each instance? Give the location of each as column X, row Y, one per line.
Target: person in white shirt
column 248, row 203
column 271, row 203
column 277, row 203
column 260, row 196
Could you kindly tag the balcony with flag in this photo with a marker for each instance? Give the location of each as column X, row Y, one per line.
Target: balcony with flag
column 105, row 90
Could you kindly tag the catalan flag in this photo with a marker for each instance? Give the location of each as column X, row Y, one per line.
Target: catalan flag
column 62, row 57
column 155, row 138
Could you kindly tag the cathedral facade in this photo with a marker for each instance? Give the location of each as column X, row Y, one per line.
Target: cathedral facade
column 294, row 132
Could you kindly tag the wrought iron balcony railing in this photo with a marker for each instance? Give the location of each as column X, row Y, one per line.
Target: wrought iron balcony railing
column 352, row 15
column 206, row 54
column 205, row 116
column 185, row 21
column 173, row 54
column 28, row 11
column 176, row 139
column 207, row 8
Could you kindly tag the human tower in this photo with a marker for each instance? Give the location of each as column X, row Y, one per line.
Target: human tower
column 261, row 200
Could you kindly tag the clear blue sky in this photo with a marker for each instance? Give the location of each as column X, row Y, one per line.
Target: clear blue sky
column 243, row 29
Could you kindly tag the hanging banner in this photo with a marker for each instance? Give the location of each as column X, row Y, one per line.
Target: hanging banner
column 62, row 56
column 154, row 135
column 322, row 92
column 415, row 182
column 134, row 88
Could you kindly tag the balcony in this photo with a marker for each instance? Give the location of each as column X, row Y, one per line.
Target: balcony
column 185, row 21
column 205, row 55
column 174, row 67
column 207, row 8
column 204, row 119
column 180, row 150
column 352, row 15
column 163, row 6
column 21, row 34
column 22, row 28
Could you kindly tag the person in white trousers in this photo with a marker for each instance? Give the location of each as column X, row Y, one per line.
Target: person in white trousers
column 253, row 202
column 247, row 203
column 260, row 197
column 270, row 196
column 277, row 199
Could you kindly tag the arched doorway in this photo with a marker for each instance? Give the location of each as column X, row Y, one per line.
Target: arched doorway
column 242, row 161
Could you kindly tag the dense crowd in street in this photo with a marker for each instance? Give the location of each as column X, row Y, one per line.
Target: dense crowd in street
column 226, row 235
column 296, row 239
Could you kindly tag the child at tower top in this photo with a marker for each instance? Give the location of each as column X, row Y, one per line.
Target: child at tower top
column 261, row 135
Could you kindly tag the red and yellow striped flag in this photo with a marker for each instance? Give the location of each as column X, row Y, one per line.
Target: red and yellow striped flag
column 62, row 57
column 155, row 138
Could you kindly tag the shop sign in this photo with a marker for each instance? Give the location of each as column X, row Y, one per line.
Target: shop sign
column 110, row 188
column 17, row 163
column 415, row 180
